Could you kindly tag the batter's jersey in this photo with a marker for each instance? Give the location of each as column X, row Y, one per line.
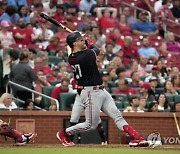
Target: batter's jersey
column 85, row 68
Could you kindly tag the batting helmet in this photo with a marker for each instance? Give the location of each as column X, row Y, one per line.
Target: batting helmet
column 73, row 37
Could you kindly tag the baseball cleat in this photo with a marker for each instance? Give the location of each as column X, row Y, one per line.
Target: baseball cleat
column 27, row 138
column 104, row 143
column 139, row 143
column 64, row 138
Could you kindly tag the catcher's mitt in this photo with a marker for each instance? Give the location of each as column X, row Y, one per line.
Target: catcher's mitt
column 5, row 128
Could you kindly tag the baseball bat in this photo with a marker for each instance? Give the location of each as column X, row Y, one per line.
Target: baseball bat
column 55, row 22
column 177, row 126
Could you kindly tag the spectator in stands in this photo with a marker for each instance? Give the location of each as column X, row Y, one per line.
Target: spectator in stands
column 161, row 68
column 153, row 106
column 174, row 71
column 32, row 55
column 162, row 102
column 50, row 7
column 53, row 107
column 28, row 105
column 105, row 78
column 143, row 64
column 63, row 67
column 117, row 62
column 45, row 66
column 71, row 7
column 14, row 56
column 134, row 67
column 18, row 3
column 170, row 45
column 3, row 5
column 134, row 102
column 129, row 52
column 23, row 12
column 123, row 26
column 154, row 83
column 142, row 104
column 158, row 5
column 6, row 37
column 102, row 60
column 85, row 5
column 115, row 38
column 23, row 35
column 85, row 24
column 176, row 8
column 24, row 76
column 107, row 18
column 53, row 44
column 60, row 53
column 38, row 65
column 99, row 3
column 169, row 89
column 6, row 102
column 144, row 91
column 40, row 83
column 63, row 88
column 143, row 26
column 43, row 33
column 135, row 83
column 97, row 36
column 54, row 75
column 176, row 106
column 109, row 54
column 130, row 19
column 59, row 14
column 176, row 82
column 35, row 14
column 148, row 51
column 163, row 13
column 155, row 73
column 121, row 73
column 124, row 89
column 146, row 5
column 70, row 22
column 9, row 15
column 6, row 64
column 112, row 73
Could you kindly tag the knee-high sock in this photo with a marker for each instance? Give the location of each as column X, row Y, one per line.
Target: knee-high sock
column 133, row 133
column 72, row 124
column 101, row 132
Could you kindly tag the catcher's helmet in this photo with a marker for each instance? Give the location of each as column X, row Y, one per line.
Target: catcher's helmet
column 73, row 37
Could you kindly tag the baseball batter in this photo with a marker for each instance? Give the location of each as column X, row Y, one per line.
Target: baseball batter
column 77, row 109
column 92, row 93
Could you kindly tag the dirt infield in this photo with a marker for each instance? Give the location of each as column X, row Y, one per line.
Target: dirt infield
column 115, row 146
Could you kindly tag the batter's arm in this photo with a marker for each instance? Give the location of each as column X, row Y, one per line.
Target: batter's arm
column 90, row 44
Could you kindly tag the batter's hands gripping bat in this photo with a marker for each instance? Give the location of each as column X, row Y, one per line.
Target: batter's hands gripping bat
column 55, row 22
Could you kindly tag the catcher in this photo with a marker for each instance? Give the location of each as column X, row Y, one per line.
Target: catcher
column 20, row 139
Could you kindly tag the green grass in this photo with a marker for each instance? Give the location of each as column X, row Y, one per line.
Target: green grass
column 81, row 150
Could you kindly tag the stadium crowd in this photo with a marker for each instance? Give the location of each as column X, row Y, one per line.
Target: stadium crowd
column 138, row 61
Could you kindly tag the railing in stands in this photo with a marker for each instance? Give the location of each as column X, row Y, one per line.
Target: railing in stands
column 21, row 101
column 18, row 85
column 174, row 23
column 135, row 9
column 120, row 3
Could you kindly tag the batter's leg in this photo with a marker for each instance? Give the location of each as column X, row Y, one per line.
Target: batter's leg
column 110, row 109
